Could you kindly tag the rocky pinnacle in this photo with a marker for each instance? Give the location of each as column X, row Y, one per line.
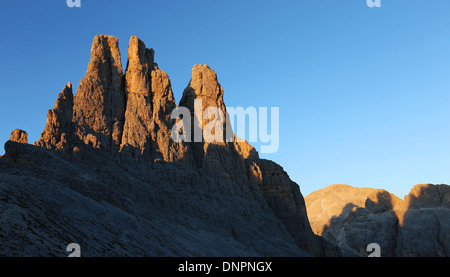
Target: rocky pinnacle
column 99, row 104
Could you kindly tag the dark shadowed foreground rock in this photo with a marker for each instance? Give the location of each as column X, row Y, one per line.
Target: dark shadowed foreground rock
column 352, row 218
column 107, row 175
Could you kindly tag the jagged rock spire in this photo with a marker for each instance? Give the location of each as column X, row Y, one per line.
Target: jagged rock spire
column 150, row 101
column 131, row 113
column 203, row 85
column 138, row 113
column 99, row 104
column 58, row 129
column 224, row 156
column 162, row 123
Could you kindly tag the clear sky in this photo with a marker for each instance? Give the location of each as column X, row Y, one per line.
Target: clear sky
column 363, row 92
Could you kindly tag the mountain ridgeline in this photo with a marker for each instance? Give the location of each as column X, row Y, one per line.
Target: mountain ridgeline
column 353, row 218
column 106, row 174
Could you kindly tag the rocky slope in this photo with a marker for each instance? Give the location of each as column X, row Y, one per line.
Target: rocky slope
column 352, row 218
column 107, row 175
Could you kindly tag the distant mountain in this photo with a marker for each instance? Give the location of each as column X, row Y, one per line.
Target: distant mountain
column 107, row 175
column 353, row 218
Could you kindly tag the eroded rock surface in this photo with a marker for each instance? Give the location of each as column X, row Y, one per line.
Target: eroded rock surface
column 99, row 104
column 19, row 136
column 352, row 218
column 59, row 127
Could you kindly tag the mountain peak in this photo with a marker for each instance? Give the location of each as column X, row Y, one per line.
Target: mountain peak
column 99, row 103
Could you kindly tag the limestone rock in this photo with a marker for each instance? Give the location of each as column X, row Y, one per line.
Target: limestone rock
column 59, row 127
column 353, row 217
column 323, row 204
column 112, row 211
column 138, row 113
column 428, row 196
column 425, row 222
column 205, row 86
column 285, row 199
column 217, row 149
column 161, row 135
column 148, row 123
column 121, row 185
column 99, row 104
column 245, row 149
column 19, row 136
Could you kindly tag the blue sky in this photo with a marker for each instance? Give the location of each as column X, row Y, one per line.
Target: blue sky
column 363, row 92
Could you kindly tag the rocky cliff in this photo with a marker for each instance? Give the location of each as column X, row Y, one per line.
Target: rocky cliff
column 106, row 174
column 353, row 218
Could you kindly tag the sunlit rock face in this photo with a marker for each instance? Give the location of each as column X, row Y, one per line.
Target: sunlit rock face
column 19, row 136
column 352, row 218
column 99, row 104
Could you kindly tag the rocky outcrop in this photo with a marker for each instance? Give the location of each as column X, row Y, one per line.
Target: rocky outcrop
column 324, row 204
column 425, row 222
column 428, row 196
column 352, row 218
column 19, row 136
column 107, row 173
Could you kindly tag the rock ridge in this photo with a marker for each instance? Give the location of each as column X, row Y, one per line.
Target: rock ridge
column 106, row 164
column 352, row 218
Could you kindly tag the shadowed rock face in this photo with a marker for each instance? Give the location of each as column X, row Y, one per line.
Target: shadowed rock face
column 139, row 97
column 355, row 217
column 225, row 157
column 285, row 199
column 425, row 222
column 106, row 174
